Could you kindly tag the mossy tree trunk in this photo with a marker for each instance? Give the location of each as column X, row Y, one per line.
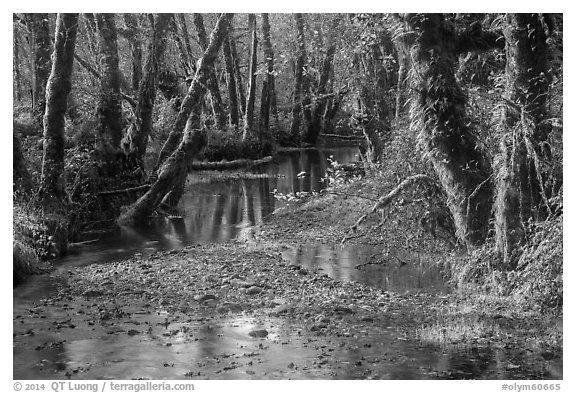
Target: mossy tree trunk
column 172, row 169
column 53, row 181
column 109, row 128
column 213, row 87
column 439, row 114
column 41, row 47
column 252, row 67
column 137, row 136
column 521, row 182
column 57, row 91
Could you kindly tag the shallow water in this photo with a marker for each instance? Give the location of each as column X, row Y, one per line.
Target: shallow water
column 216, row 212
column 221, row 347
column 399, row 272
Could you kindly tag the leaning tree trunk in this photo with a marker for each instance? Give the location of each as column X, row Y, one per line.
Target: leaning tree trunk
column 41, row 47
column 521, row 188
column 216, row 98
column 109, row 128
column 197, row 88
column 171, row 174
column 249, row 115
column 193, row 127
column 137, row 136
column 52, row 183
column 171, row 169
column 439, row 113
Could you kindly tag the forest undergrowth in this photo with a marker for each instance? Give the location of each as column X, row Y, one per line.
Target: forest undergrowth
column 483, row 295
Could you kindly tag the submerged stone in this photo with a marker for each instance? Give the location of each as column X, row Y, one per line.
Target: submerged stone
column 258, row 333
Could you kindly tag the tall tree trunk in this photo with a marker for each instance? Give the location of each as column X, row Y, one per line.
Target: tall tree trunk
column 298, row 78
column 17, row 85
column 251, row 99
column 439, row 112
column 109, row 129
column 521, row 189
column 269, row 57
column 52, row 182
column 238, row 71
column 57, row 90
column 172, row 167
column 132, row 34
column 216, row 98
column 314, row 125
column 41, row 47
column 137, row 136
column 231, row 82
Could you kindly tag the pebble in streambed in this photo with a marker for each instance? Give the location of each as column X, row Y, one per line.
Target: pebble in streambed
column 258, row 333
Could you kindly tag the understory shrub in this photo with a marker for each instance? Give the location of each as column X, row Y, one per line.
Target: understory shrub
column 31, row 243
column 537, row 281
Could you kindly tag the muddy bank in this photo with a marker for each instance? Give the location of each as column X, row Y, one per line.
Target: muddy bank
column 239, row 311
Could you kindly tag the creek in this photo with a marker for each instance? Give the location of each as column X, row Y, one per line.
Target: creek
column 220, row 211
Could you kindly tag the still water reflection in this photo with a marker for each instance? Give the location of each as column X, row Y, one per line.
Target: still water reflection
column 217, row 211
column 220, row 211
column 396, row 271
